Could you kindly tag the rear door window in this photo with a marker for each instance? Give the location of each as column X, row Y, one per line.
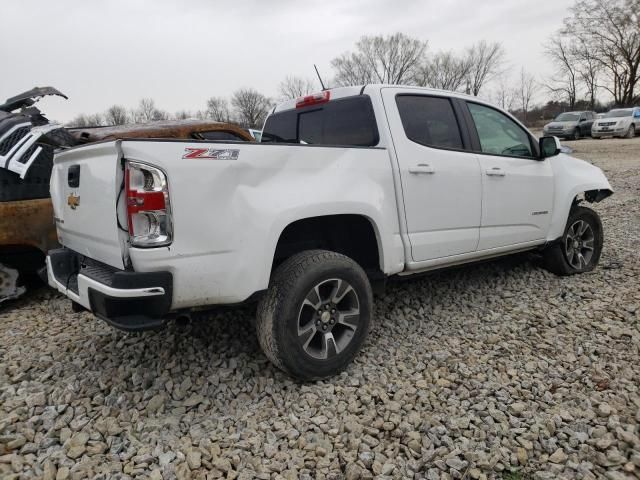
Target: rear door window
column 429, row 121
column 348, row 121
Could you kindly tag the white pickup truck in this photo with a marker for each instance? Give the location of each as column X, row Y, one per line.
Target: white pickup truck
column 347, row 188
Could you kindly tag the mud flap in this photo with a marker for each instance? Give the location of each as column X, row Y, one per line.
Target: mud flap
column 9, row 288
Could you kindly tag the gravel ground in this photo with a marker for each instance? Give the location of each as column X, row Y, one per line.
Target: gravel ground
column 499, row 370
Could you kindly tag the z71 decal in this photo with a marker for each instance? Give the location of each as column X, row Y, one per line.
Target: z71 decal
column 210, row 153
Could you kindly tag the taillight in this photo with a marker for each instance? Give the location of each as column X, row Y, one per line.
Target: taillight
column 315, row 99
column 148, row 208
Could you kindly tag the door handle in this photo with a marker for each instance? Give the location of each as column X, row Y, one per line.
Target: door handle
column 495, row 172
column 422, row 168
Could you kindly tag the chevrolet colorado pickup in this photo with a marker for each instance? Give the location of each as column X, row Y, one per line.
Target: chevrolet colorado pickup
column 347, row 187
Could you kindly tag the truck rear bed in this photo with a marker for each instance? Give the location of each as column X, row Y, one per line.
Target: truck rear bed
column 229, row 203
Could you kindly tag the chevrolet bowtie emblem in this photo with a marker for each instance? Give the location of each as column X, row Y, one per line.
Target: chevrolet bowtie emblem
column 73, row 201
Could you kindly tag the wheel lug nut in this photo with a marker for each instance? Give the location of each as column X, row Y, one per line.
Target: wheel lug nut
column 333, row 310
column 317, row 322
column 324, row 327
column 332, row 321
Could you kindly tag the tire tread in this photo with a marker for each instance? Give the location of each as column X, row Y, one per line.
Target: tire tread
column 283, row 281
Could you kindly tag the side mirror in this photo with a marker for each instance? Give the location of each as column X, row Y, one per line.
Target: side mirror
column 582, row 120
column 549, row 147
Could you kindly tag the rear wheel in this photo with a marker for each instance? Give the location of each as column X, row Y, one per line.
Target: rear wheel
column 579, row 249
column 316, row 314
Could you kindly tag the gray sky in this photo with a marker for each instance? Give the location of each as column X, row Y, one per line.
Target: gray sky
column 181, row 53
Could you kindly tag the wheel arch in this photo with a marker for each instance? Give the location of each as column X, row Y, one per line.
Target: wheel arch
column 355, row 235
column 593, row 194
column 575, row 180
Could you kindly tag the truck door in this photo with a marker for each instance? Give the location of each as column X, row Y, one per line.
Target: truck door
column 517, row 193
column 441, row 181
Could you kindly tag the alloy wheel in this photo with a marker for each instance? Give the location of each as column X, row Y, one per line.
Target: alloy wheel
column 328, row 318
column 579, row 244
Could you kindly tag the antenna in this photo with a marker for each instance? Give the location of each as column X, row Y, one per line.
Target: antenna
column 319, row 77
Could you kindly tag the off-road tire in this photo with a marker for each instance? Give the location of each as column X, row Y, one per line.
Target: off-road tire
column 279, row 311
column 556, row 258
column 631, row 132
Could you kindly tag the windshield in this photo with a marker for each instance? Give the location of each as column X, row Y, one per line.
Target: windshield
column 618, row 113
column 568, row 117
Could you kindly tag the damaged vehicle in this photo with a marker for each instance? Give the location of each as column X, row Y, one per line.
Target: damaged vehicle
column 347, row 188
column 27, row 144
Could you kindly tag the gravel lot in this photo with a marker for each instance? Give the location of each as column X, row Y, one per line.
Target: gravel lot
column 500, row 370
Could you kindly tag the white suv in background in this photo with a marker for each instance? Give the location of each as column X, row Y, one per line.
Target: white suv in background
column 621, row 122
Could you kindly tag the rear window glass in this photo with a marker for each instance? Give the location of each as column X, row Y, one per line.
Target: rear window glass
column 346, row 121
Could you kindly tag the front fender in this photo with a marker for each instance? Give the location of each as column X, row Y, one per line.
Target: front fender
column 572, row 177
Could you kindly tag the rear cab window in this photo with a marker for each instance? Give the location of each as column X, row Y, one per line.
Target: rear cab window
column 348, row 121
column 429, row 121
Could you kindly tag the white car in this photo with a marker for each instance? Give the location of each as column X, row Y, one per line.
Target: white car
column 348, row 188
column 621, row 122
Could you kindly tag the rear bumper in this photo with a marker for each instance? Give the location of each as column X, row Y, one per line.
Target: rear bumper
column 127, row 300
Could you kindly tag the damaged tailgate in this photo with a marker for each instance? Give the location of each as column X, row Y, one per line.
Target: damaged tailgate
column 85, row 186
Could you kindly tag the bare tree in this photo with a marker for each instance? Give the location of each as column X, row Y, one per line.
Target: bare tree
column 84, row 120
column 218, row 109
column 527, row 89
column 444, row 70
column 183, row 115
column 294, row 87
column 394, row 59
column 486, row 61
column 611, row 28
column 505, row 96
column 250, row 106
column 116, row 115
column 589, row 70
column 147, row 112
column 564, row 81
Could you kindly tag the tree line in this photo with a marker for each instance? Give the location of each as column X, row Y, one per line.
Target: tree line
column 597, row 50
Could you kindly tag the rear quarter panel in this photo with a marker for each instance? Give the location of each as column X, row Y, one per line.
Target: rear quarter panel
column 229, row 214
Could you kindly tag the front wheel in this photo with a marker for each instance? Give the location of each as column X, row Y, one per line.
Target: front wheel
column 631, row 132
column 315, row 315
column 576, row 134
column 579, row 249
